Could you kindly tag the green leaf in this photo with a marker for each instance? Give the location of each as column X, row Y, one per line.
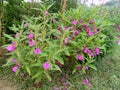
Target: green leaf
column 28, row 70
column 8, row 36
column 55, row 67
column 92, row 66
column 74, row 71
column 37, row 75
column 48, row 76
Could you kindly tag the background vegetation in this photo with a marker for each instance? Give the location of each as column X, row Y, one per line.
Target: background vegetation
column 105, row 17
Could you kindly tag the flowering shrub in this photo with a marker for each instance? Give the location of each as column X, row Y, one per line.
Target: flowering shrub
column 54, row 41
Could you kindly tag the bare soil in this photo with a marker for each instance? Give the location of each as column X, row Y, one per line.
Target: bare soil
column 5, row 85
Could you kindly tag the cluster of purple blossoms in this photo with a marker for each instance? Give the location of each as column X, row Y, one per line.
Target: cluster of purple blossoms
column 87, row 51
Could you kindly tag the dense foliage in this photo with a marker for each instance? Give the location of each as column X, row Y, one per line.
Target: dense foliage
column 59, row 41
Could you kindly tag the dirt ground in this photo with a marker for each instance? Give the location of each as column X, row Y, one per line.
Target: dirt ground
column 5, row 85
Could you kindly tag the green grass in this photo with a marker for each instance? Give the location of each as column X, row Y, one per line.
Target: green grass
column 107, row 77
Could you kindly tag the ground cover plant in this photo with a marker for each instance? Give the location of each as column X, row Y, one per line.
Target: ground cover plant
column 67, row 42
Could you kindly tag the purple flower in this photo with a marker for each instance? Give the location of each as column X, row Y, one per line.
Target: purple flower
column 15, row 68
column 86, row 50
column 81, row 21
column 59, row 28
column 46, row 13
column 119, row 28
column 11, row 48
column 95, row 32
column 79, row 57
column 16, row 34
column 91, row 21
column 46, row 65
column 13, row 60
column 85, row 26
column 90, row 53
column 79, row 67
column 31, row 42
column 86, row 81
column 65, row 28
column 66, row 40
column 25, row 24
column 58, row 63
column 87, row 30
column 74, row 22
column 118, row 36
column 54, row 20
column 71, row 28
column 76, row 32
column 72, row 37
column 86, row 68
column 96, row 50
column 63, row 79
column 30, row 36
column 90, row 33
column 118, row 42
column 37, row 51
column 93, row 27
column 14, row 43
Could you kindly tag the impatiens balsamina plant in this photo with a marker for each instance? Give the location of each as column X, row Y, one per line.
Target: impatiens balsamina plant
column 52, row 42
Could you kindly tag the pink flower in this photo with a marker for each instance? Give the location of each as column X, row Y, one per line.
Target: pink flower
column 30, row 36
column 25, row 24
column 93, row 27
column 46, row 65
column 79, row 57
column 58, row 63
column 119, row 28
column 13, row 60
column 11, row 48
column 54, row 20
column 96, row 50
column 16, row 34
column 14, row 43
column 76, row 32
column 46, row 13
column 66, row 40
column 95, row 32
column 118, row 36
column 90, row 53
column 81, row 21
column 86, row 50
column 90, row 33
column 37, row 51
column 86, row 81
column 85, row 26
column 118, row 42
column 87, row 30
column 31, row 43
column 71, row 28
column 86, row 68
column 15, row 68
column 79, row 67
column 65, row 28
column 74, row 22
column 72, row 37
column 91, row 21
column 59, row 28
